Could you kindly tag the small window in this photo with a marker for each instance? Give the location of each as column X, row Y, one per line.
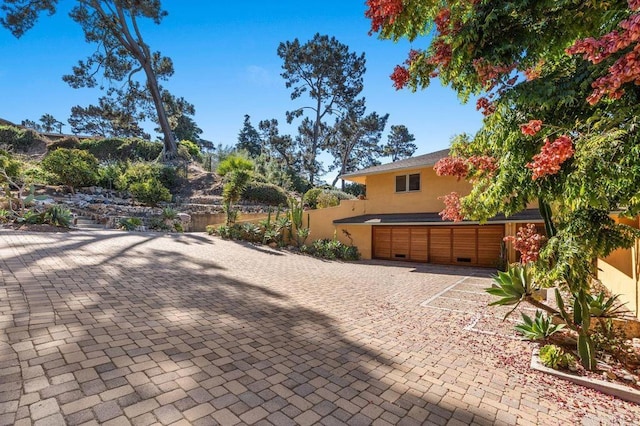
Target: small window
column 414, row 182
column 406, row 183
column 401, row 183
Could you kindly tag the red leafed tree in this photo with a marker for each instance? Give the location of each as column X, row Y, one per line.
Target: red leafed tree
column 624, row 42
column 560, row 126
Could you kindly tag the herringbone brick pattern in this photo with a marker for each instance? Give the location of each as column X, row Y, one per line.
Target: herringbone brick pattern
column 115, row 328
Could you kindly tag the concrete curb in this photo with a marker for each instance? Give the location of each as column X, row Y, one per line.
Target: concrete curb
column 623, row 392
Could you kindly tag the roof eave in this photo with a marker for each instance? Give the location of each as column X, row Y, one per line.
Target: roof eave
column 353, row 176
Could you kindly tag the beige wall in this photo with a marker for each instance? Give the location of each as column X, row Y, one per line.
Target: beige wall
column 383, row 198
column 619, row 272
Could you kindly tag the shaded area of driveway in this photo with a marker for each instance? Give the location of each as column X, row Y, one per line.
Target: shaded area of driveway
column 123, row 328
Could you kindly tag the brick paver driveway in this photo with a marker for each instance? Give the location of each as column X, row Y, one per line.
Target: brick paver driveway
column 118, row 328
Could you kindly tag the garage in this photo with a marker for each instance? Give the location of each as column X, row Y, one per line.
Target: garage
column 473, row 245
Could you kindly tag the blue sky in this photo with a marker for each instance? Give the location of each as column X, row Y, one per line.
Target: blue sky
column 225, row 61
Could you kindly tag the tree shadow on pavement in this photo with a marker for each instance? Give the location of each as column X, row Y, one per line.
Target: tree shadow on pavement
column 142, row 328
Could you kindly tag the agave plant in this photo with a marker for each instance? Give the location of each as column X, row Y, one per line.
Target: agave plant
column 538, row 328
column 602, row 306
column 512, row 286
column 58, row 215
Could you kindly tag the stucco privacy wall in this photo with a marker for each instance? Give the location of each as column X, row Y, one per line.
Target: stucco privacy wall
column 320, row 223
column 620, row 271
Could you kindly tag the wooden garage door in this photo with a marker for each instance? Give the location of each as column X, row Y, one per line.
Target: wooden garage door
column 410, row 243
column 461, row 245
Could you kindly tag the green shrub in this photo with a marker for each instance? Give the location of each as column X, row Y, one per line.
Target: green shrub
column 326, row 199
column 229, row 232
column 5, row 215
column 109, row 173
column 341, row 195
column 311, row 197
column 21, row 140
column 265, row 193
column 211, row 229
column 150, row 191
column 130, row 223
column 193, row 149
column 58, row 215
column 331, row 249
column 327, row 195
column 72, row 167
column 9, row 165
column 168, row 175
column 141, row 171
column 36, row 174
column 555, row 357
column 133, row 149
column 169, row 213
column 70, row 142
column 32, row 217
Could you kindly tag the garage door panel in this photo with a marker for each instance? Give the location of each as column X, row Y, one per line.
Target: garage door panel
column 400, row 243
column 440, row 245
column 419, row 244
column 490, row 245
column 465, row 245
column 382, row 242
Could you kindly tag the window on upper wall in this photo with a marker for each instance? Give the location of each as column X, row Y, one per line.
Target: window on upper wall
column 408, row 183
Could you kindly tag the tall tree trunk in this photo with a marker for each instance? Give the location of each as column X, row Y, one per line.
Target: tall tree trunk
column 170, row 145
column 314, row 142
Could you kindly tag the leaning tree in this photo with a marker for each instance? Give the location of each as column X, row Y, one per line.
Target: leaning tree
column 121, row 54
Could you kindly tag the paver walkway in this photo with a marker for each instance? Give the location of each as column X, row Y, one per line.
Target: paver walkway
column 115, row 328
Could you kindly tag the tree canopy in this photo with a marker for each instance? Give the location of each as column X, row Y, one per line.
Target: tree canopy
column 399, row 143
column 122, row 52
column 355, row 141
column 332, row 77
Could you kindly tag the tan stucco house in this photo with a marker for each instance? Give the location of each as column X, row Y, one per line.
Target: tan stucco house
column 398, row 220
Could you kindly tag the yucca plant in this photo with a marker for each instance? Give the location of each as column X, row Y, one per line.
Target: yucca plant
column 538, row 328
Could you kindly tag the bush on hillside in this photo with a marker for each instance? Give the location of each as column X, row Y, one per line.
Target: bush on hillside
column 72, row 167
column 133, row 149
column 147, row 182
column 193, row 150
column 150, row 192
column 326, row 199
column 265, row 193
column 21, row 140
column 9, row 165
column 311, row 197
column 69, row 142
column 110, row 172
